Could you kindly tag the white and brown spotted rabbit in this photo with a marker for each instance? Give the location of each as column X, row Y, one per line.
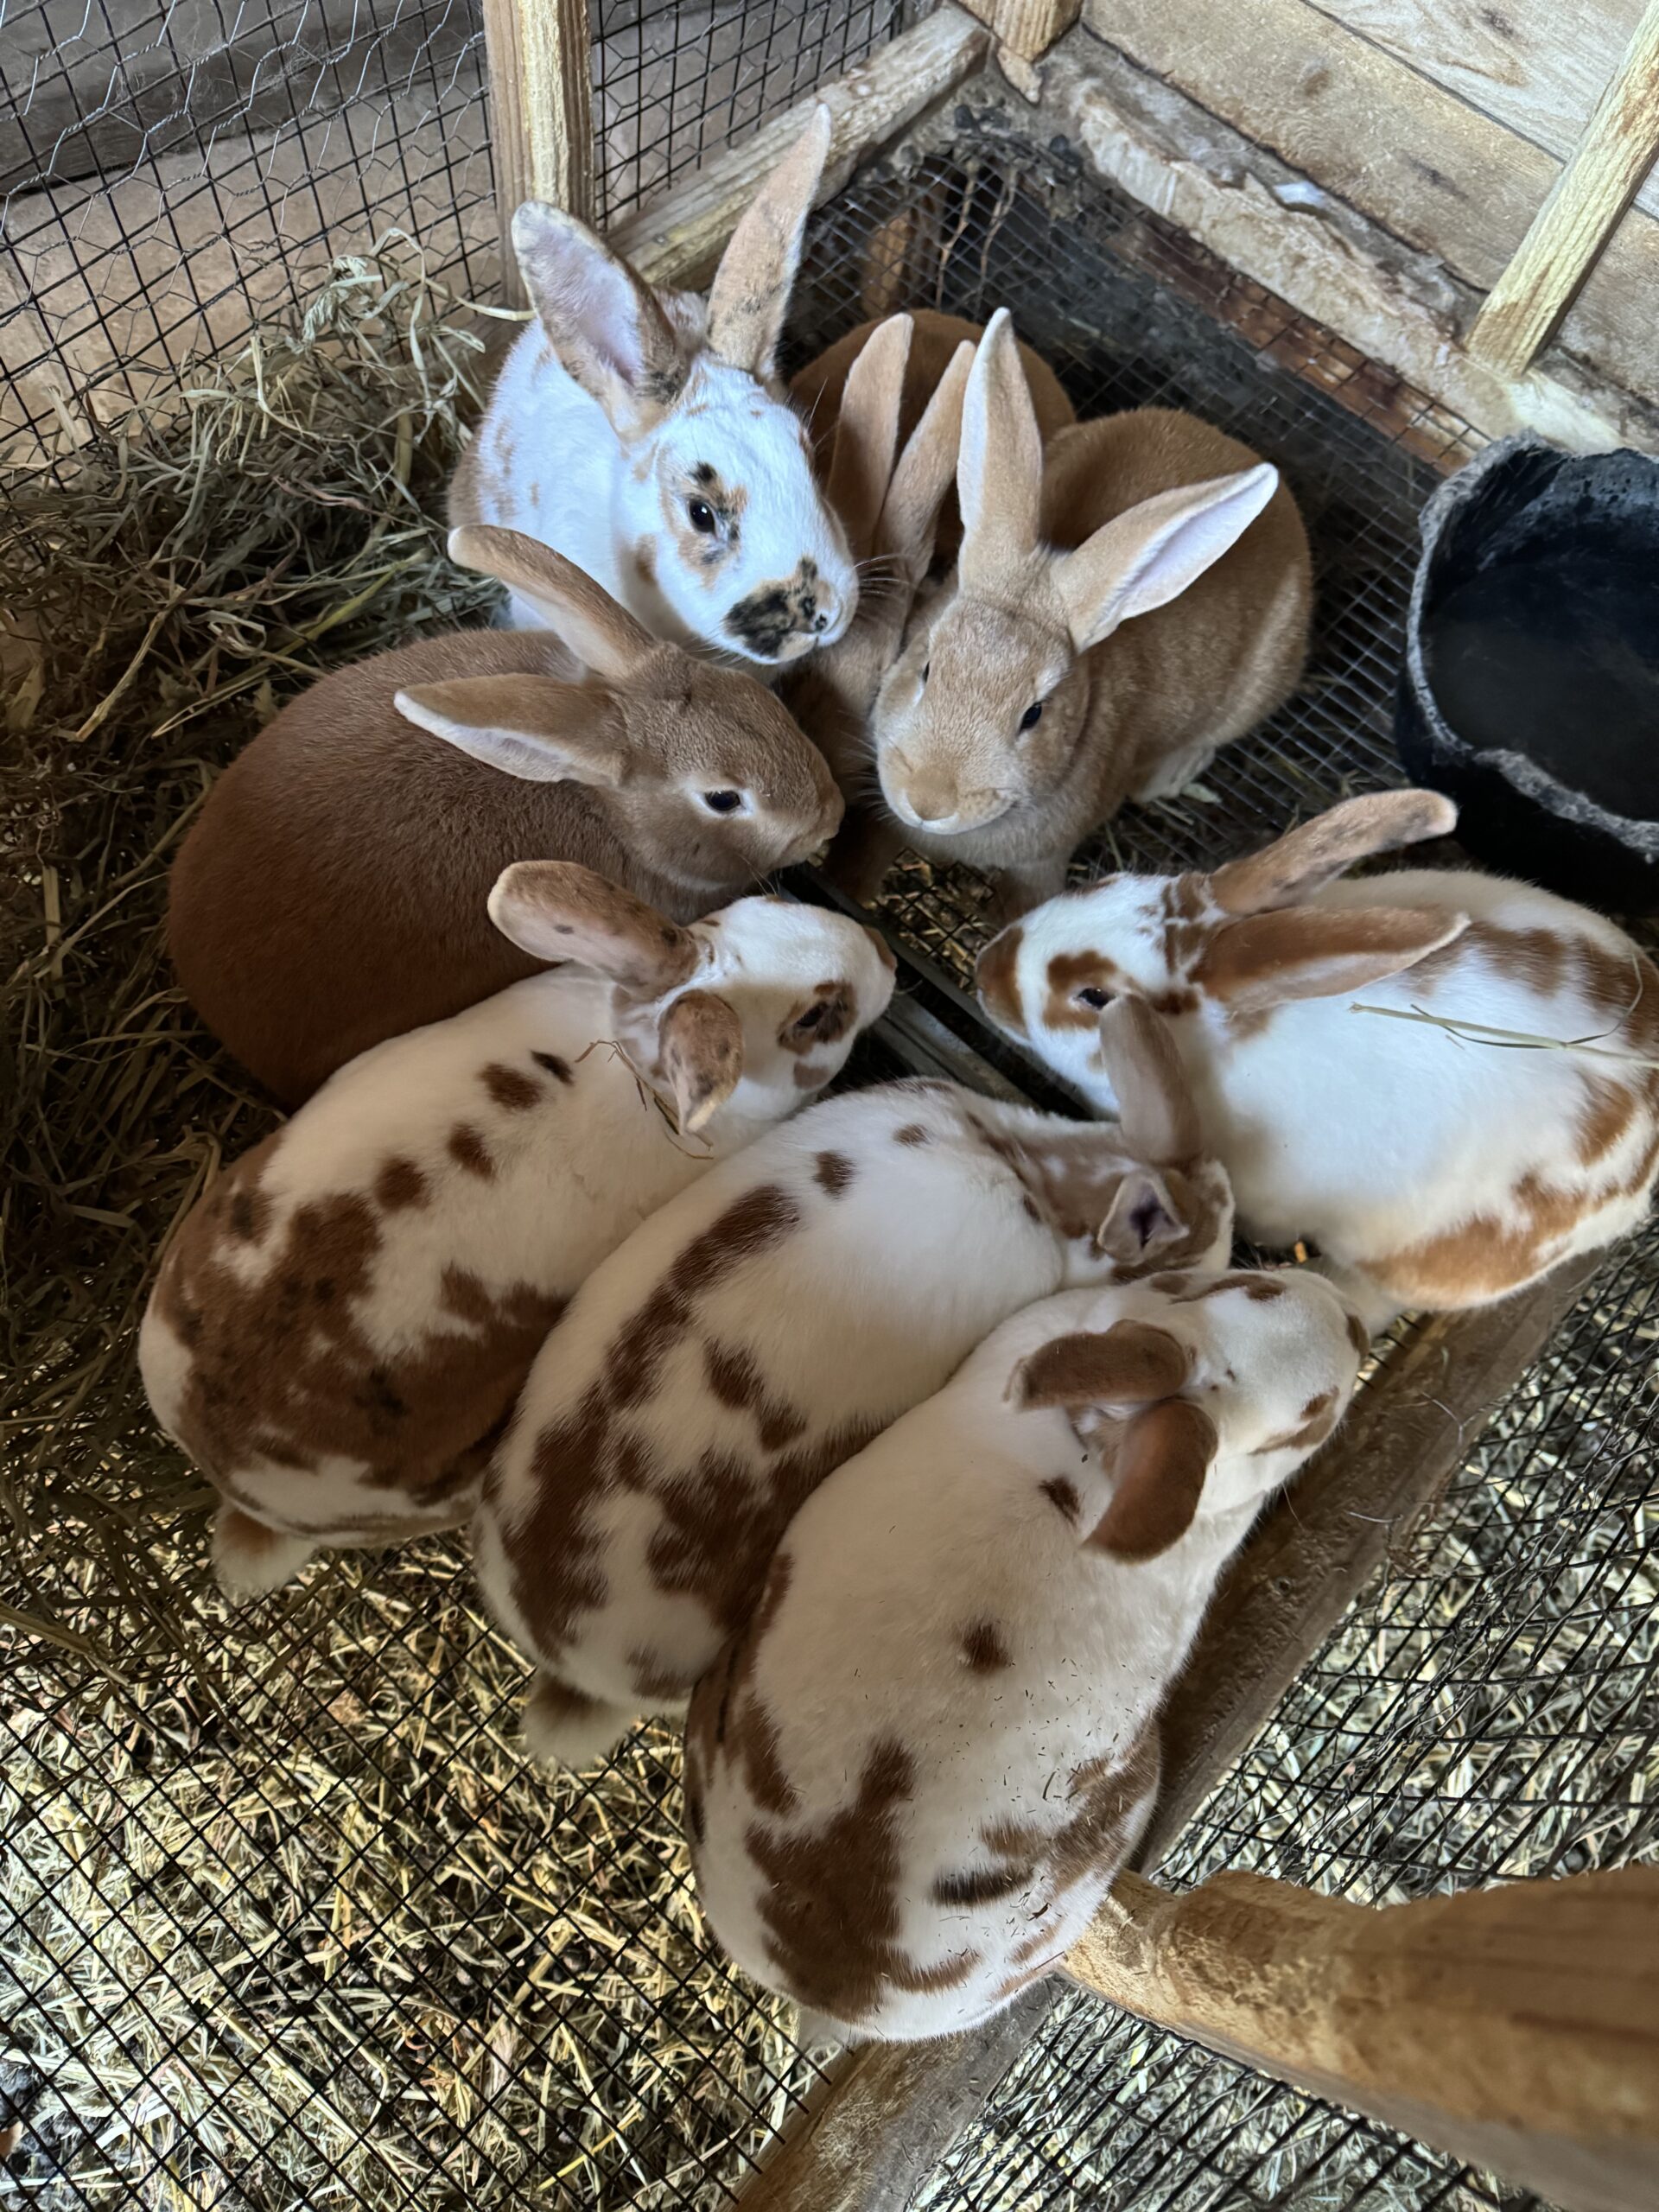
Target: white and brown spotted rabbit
column 913, row 1777
column 761, row 1328
column 1432, row 1167
column 654, row 446
column 343, row 1321
column 1123, row 606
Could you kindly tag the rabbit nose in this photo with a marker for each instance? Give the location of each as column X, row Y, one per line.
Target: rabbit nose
column 932, row 802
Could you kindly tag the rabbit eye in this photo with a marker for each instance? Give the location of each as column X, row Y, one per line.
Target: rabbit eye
column 722, row 802
column 813, row 1017
column 927, row 670
column 701, row 517
column 1091, row 995
column 1033, row 716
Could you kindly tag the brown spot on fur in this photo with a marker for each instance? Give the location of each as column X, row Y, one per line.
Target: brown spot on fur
column 467, row 1147
column 1608, row 1110
column 832, row 1172
column 834, row 1004
column 984, row 1648
column 399, row 1183
column 831, row 1903
column 771, row 615
column 282, row 1370
column 560, row 1070
column 808, row 1077
column 1259, row 1288
column 1069, row 973
column 250, row 1215
column 1318, row 1419
column 994, row 979
column 1063, row 1494
column 1484, row 1256
column 981, row 1885
column 911, row 1134
column 653, row 1677
column 1535, row 958
column 511, row 1090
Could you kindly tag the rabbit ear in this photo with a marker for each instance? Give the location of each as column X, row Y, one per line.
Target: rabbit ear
column 1146, row 558
column 1317, row 952
column 866, row 430
column 1317, row 852
column 1158, row 1468
column 1141, row 1218
column 1154, row 1101
column 923, row 473
column 749, row 297
column 603, row 636
column 603, row 318
column 558, row 911
column 1000, row 469
column 701, row 1039
column 526, row 725
column 1131, row 1363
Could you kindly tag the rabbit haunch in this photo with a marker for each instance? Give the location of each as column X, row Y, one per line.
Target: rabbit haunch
column 654, row 446
column 333, row 892
column 343, row 1322
column 912, row 1776
column 761, row 1328
column 1123, row 606
column 1431, row 1169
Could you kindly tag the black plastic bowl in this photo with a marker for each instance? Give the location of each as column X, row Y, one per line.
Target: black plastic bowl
column 1530, row 692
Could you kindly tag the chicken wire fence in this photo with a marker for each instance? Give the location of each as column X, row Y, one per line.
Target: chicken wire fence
column 171, row 170
column 284, row 1917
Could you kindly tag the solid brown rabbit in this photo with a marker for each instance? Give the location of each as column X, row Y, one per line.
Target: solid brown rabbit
column 333, row 893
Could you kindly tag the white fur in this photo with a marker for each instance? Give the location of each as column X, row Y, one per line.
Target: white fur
column 572, row 1175
column 848, row 1317
column 1368, row 1135
column 941, row 1525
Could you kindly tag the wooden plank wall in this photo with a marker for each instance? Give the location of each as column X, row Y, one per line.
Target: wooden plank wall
column 1445, row 121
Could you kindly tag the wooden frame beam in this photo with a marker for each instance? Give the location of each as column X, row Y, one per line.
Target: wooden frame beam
column 1587, row 202
column 1028, row 27
column 541, row 113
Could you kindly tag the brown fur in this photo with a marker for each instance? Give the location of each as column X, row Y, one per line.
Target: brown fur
column 332, row 893
column 1159, row 1464
column 1314, row 951
column 286, row 1372
column 816, row 391
column 1133, row 1363
column 1317, row 852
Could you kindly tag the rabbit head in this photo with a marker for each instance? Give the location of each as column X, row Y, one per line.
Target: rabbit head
column 983, row 710
column 1201, row 1394
column 758, row 1005
column 1237, row 940
column 889, row 510
column 714, row 783
column 718, row 500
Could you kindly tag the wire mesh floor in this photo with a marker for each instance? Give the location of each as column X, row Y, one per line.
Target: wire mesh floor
column 284, row 1918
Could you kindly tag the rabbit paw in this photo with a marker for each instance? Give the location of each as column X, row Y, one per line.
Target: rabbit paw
column 564, row 1727
column 250, row 1559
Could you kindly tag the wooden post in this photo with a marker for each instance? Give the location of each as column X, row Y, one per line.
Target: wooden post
column 1028, row 27
column 1515, row 2027
column 541, row 113
column 1607, row 169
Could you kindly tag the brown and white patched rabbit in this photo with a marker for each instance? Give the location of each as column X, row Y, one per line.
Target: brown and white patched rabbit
column 1431, row 1168
column 333, row 892
column 654, row 446
column 761, row 1328
column 817, row 391
column 344, row 1319
column 1122, row 608
column 912, row 1778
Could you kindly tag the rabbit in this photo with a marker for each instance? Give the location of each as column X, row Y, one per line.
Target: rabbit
column 1027, row 706
column 657, row 450
column 1431, row 1170
column 332, row 893
column 759, row 1330
column 912, row 1776
column 346, row 1316
column 889, row 510
column 817, row 391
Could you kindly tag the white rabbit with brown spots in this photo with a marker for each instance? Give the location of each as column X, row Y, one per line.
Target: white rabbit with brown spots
column 911, row 1777
column 1126, row 602
column 347, row 1317
column 761, row 1328
column 655, row 448
column 1431, row 1167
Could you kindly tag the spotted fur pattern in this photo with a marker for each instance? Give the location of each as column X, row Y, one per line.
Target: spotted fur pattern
column 912, row 1778
column 343, row 1322
column 758, row 1331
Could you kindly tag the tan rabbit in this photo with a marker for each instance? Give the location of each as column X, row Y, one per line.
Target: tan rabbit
column 1058, row 681
column 333, row 893
column 816, row 390
column 889, row 512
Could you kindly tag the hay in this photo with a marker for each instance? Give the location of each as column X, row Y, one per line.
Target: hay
column 285, row 1918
